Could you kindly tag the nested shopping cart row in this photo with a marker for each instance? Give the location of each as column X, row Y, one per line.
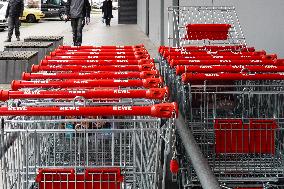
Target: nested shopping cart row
column 87, row 120
column 232, row 101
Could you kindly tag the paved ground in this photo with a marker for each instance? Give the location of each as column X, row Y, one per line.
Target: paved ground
column 94, row 34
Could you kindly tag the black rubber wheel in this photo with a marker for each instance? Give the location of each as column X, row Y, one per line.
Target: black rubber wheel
column 31, row 18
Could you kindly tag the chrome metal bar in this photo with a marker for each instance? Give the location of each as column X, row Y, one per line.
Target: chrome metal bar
column 200, row 164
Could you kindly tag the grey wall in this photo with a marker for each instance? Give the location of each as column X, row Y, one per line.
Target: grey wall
column 155, row 21
column 261, row 20
column 154, row 18
column 141, row 14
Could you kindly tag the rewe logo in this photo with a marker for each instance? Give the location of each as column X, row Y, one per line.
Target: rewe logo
column 55, row 66
column 89, row 66
column 212, row 75
column 120, row 81
column 122, row 60
column 93, row 57
column 32, row 92
column 69, row 108
column 225, row 61
column 85, row 73
column 121, row 91
column 119, row 108
column 46, row 73
column 217, row 57
column 120, row 57
column 270, row 66
column 119, row 53
column 40, row 82
column 81, row 82
column 120, row 73
column 92, row 61
column 17, row 108
column 238, row 67
column 59, row 61
column 77, row 92
column 205, row 67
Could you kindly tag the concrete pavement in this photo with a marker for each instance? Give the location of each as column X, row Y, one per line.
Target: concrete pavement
column 96, row 33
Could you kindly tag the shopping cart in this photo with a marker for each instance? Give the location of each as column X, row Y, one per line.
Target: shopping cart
column 45, row 155
column 231, row 96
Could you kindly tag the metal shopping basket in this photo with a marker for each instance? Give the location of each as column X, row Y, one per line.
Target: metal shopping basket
column 237, row 120
column 45, row 155
column 205, row 25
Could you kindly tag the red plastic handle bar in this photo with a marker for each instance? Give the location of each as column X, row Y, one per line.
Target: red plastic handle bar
column 174, row 63
column 102, row 47
column 165, row 110
column 228, row 68
column 188, row 77
column 92, row 68
column 206, row 53
column 97, row 57
column 98, row 53
column 91, row 75
column 252, row 57
column 146, row 83
column 102, row 50
column 153, row 93
column 96, row 62
column 210, row 48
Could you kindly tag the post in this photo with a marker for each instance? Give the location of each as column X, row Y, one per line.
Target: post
column 199, row 163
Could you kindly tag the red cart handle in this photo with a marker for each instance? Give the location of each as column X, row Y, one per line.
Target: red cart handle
column 153, row 93
column 96, row 62
column 146, row 83
column 91, row 75
column 102, row 50
column 174, row 63
column 206, row 53
column 91, row 68
column 97, row 57
column 165, row 110
column 228, row 68
column 103, row 47
column 188, row 77
column 208, row 48
column 79, row 53
column 223, row 58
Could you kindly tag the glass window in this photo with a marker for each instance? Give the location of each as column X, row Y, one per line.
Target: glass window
column 55, row 2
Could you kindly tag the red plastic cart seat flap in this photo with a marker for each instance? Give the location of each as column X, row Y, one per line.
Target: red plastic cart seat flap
column 232, row 136
column 262, row 136
column 207, row 31
column 103, row 178
column 229, row 137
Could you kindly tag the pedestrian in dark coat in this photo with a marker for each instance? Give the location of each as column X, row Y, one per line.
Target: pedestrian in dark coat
column 107, row 11
column 14, row 11
column 79, row 12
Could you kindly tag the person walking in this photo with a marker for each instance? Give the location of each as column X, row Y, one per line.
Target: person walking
column 107, row 11
column 14, row 11
column 79, row 12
